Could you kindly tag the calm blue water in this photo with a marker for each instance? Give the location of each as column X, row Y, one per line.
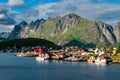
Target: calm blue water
column 22, row 68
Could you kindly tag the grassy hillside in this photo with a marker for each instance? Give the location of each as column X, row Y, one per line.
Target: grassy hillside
column 28, row 42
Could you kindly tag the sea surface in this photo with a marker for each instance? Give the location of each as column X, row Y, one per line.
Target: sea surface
column 26, row 68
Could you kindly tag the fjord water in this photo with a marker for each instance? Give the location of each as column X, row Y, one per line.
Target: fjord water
column 25, row 68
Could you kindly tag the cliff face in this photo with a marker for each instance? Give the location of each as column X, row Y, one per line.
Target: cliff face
column 23, row 30
column 68, row 30
column 107, row 32
column 117, row 32
column 17, row 30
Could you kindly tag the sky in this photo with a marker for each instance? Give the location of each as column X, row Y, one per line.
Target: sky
column 14, row 11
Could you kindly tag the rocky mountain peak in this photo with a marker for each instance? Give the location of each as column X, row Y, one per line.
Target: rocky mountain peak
column 23, row 23
column 4, row 34
column 39, row 21
column 23, row 29
column 72, row 16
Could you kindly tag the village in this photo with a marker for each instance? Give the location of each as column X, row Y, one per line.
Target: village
column 74, row 54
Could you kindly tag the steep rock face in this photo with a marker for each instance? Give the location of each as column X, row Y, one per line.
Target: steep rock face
column 16, row 33
column 107, row 31
column 117, row 32
column 35, row 25
column 23, row 30
column 100, row 37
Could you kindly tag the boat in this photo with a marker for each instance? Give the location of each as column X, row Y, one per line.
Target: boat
column 40, row 58
column 19, row 54
column 103, row 60
column 100, row 60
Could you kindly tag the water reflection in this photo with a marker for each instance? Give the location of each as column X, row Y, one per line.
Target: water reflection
column 42, row 61
column 59, row 62
column 99, row 65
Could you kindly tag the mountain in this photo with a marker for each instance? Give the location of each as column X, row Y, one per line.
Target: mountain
column 16, row 33
column 68, row 30
column 4, row 36
column 23, row 29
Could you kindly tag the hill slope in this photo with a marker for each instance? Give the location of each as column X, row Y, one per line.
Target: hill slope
column 28, row 42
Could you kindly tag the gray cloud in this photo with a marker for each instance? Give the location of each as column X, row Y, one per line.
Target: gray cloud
column 109, row 15
column 16, row 3
column 6, row 21
column 6, row 28
column 29, row 15
column 4, row 18
column 34, row 13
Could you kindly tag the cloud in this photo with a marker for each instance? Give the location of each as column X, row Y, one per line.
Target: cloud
column 28, row 16
column 4, row 18
column 44, row 11
column 6, row 28
column 6, row 21
column 96, row 10
column 16, row 3
column 4, row 8
column 34, row 13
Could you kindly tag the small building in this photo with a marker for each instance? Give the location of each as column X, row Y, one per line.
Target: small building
column 41, row 50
